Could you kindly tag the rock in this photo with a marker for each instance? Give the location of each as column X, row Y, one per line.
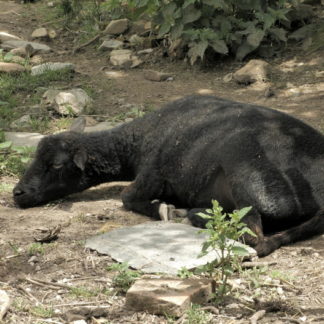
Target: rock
column 11, row 68
column 302, row 33
column 36, row 60
column 56, row 66
column 253, row 71
column 145, row 51
column 69, row 102
column 21, row 51
column 23, row 139
column 4, row 36
column 140, row 27
column 11, row 44
column 117, row 27
column 22, row 122
column 111, row 44
column 4, row 304
column 124, row 58
column 17, row 59
column 156, row 76
column 40, row 33
column 168, row 296
column 136, row 41
column 99, row 127
column 228, row 77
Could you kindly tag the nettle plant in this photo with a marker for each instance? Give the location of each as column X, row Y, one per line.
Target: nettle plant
column 223, row 231
column 224, row 27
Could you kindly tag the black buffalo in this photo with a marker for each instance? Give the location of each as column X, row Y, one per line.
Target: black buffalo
column 191, row 151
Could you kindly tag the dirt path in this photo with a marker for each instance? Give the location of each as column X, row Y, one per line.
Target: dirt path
column 299, row 267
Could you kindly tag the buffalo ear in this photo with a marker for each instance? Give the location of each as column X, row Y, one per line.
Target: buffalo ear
column 80, row 158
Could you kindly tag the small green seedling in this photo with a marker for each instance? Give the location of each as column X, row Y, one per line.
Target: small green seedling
column 124, row 277
column 223, row 230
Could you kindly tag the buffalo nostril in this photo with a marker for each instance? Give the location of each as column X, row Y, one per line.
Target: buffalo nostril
column 18, row 192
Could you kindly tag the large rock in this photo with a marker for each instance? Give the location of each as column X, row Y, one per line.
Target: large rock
column 69, row 102
column 23, row 139
column 4, row 36
column 140, row 27
column 56, row 66
column 111, row 44
column 253, row 71
column 124, row 58
column 43, row 33
column 23, row 121
column 117, row 27
column 11, row 68
column 168, row 296
column 11, row 44
column 4, row 304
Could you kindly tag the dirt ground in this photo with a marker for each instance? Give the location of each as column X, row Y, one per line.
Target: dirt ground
column 291, row 289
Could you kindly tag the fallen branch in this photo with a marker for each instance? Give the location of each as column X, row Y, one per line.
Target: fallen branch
column 48, row 283
column 83, row 304
column 256, row 316
column 41, row 284
column 92, row 40
column 248, row 265
column 32, row 297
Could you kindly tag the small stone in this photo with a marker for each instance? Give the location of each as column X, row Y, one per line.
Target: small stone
column 11, row 68
column 140, row 27
column 111, row 44
column 18, row 59
column 117, row 27
column 136, row 40
column 33, row 259
column 145, row 51
column 40, row 33
column 228, row 77
column 21, row 51
column 36, row 60
column 40, row 69
column 37, row 47
column 253, row 71
column 171, row 296
column 52, row 33
column 156, row 76
column 121, row 58
column 50, row 4
column 136, row 61
column 22, row 122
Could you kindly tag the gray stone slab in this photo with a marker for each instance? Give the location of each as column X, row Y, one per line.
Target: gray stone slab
column 151, row 247
column 23, row 139
column 10, row 44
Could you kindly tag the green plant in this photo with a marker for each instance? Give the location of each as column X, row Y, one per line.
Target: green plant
column 195, row 315
column 42, row 311
column 223, row 230
column 36, row 249
column 13, row 159
column 124, row 277
column 83, row 292
column 184, row 273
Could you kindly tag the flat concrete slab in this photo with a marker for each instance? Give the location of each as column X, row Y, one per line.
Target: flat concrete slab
column 152, row 247
column 23, row 139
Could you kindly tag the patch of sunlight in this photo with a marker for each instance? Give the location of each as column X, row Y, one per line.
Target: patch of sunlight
column 205, row 91
column 116, row 74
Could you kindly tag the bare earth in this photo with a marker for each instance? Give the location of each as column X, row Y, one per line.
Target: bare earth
column 295, row 292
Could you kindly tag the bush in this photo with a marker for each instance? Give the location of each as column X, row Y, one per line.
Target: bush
column 217, row 26
column 231, row 26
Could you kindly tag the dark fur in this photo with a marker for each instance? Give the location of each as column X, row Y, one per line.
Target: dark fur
column 192, row 151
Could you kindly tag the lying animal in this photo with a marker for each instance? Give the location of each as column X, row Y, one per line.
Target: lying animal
column 192, row 151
